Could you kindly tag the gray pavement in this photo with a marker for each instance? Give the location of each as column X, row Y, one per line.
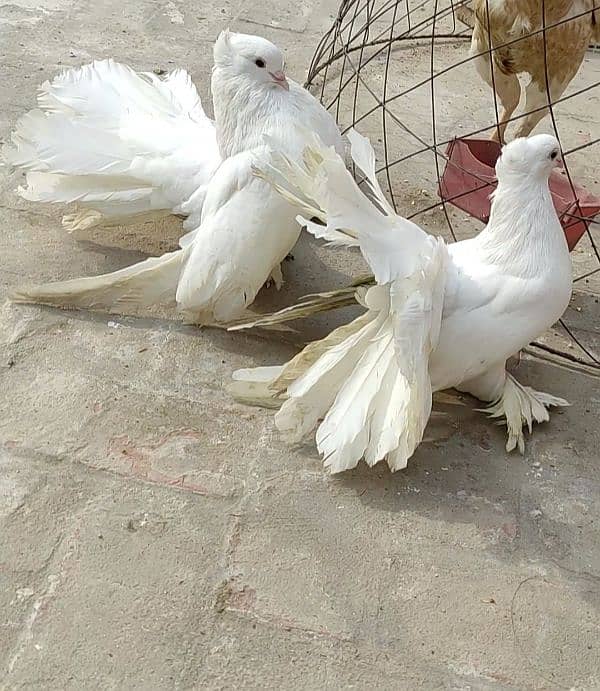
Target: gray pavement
column 156, row 535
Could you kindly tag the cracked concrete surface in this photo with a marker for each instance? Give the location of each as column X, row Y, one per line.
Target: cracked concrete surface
column 156, row 535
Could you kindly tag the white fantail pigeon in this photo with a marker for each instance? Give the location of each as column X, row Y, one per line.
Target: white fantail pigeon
column 241, row 229
column 439, row 316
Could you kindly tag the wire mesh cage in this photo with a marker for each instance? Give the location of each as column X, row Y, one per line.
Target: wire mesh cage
column 436, row 85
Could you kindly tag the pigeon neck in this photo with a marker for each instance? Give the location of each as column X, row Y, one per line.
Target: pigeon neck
column 242, row 109
column 523, row 229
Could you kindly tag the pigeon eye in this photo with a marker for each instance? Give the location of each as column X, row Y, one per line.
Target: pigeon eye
column 259, row 62
column 553, row 155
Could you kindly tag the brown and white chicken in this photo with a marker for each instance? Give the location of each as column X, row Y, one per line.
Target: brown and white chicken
column 515, row 22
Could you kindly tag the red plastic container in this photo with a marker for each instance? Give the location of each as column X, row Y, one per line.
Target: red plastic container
column 469, row 178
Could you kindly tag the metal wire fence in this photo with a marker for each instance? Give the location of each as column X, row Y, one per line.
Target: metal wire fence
column 361, row 73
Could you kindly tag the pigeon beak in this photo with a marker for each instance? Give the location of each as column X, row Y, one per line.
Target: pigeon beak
column 280, row 80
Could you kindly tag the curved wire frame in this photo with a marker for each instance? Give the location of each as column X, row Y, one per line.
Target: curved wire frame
column 356, row 61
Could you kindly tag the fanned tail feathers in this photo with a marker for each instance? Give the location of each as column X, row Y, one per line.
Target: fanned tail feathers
column 115, row 142
column 356, row 387
column 371, row 388
column 372, row 393
column 296, row 417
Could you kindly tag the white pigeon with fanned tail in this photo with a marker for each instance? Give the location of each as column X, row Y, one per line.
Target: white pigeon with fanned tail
column 440, row 316
column 160, row 152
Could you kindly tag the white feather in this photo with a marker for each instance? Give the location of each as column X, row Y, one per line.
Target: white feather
column 363, row 155
column 439, row 317
column 253, row 386
column 522, row 406
column 246, row 230
column 118, row 142
column 115, row 141
column 310, row 396
column 322, row 186
column 146, row 283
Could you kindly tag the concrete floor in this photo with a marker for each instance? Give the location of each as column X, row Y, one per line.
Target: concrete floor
column 156, row 535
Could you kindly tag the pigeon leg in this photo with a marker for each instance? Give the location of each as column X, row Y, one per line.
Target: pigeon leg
column 519, row 405
column 487, row 386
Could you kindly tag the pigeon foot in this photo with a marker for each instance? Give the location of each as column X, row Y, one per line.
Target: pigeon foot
column 521, row 405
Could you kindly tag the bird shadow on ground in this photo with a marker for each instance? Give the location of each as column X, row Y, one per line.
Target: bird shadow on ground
column 120, row 257
column 151, row 238
column 537, row 508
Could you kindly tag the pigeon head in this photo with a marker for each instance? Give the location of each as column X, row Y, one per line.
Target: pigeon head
column 528, row 157
column 250, row 58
